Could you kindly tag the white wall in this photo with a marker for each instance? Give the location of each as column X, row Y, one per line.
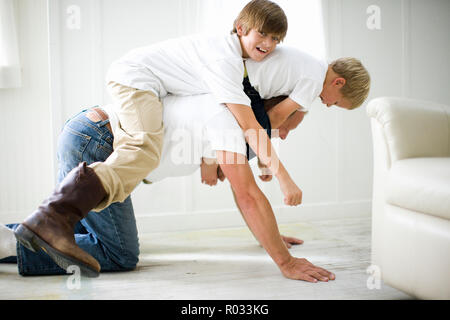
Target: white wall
column 408, row 56
column 329, row 156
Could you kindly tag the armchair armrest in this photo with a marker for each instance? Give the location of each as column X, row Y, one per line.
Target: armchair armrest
column 412, row 128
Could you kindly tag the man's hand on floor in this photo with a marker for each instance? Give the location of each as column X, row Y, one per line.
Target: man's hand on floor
column 290, row 241
column 302, row 269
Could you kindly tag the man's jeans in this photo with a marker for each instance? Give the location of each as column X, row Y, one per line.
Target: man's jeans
column 110, row 235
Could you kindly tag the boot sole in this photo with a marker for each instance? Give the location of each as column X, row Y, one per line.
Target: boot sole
column 34, row 243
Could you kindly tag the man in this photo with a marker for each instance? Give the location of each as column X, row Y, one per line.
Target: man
column 196, row 127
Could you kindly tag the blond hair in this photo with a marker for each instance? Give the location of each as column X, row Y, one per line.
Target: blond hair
column 357, row 80
column 264, row 16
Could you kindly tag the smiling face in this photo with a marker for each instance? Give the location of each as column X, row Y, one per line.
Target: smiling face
column 256, row 45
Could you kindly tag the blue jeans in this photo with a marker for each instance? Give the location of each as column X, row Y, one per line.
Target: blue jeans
column 110, row 235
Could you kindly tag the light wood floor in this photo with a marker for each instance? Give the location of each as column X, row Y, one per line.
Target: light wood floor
column 223, row 264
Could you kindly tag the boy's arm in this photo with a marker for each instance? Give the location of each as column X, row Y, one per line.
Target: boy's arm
column 263, row 149
column 281, row 111
column 296, row 118
column 260, row 219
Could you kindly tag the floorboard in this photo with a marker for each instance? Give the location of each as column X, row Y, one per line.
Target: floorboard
column 223, row 264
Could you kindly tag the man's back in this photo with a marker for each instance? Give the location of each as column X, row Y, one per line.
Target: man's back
column 195, row 126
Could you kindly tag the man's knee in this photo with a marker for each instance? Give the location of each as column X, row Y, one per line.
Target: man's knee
column 130, row 263
column 129, row 260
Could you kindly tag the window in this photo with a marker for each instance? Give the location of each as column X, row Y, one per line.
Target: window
column 9, row 56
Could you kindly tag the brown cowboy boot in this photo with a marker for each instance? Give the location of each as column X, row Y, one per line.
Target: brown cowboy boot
column 51, row 226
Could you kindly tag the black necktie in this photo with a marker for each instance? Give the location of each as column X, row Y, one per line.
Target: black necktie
column 258, row 109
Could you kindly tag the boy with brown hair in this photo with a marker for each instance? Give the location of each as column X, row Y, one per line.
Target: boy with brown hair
column 137, row 82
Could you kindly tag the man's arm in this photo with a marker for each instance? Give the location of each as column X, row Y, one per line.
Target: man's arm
column 288, row 241
column 260, row 219
column 261, row 144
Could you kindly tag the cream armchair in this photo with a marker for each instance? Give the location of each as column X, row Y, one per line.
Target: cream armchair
column 411, row 195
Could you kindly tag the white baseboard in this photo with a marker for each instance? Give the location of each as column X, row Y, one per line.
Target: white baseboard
column 176, row 221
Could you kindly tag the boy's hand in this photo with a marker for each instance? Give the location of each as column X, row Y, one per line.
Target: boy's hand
column 266, row 174
column 209, row 173
column 265, row 177
column 292, row 194
column 302, row 269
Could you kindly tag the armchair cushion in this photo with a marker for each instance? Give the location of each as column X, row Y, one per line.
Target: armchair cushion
column 421, row 184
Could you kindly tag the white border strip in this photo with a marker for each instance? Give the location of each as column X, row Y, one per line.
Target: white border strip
column 179, row 221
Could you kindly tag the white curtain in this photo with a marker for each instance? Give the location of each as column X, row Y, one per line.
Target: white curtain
column 10, row 71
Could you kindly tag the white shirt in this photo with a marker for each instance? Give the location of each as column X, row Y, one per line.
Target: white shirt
column 194, row 127
column 288, row 71
column 191, row 65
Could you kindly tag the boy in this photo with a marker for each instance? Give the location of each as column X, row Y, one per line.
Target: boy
column 301, row 78
column 192, row 65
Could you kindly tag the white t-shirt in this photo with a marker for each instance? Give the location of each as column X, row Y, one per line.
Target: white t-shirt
column 194, row 127
column 192, row 65
column 288, row 71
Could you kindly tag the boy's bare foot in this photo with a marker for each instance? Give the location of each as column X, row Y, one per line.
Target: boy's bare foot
column 220, row 174
column 7, row 242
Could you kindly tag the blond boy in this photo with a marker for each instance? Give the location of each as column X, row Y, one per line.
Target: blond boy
column 300, row 78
